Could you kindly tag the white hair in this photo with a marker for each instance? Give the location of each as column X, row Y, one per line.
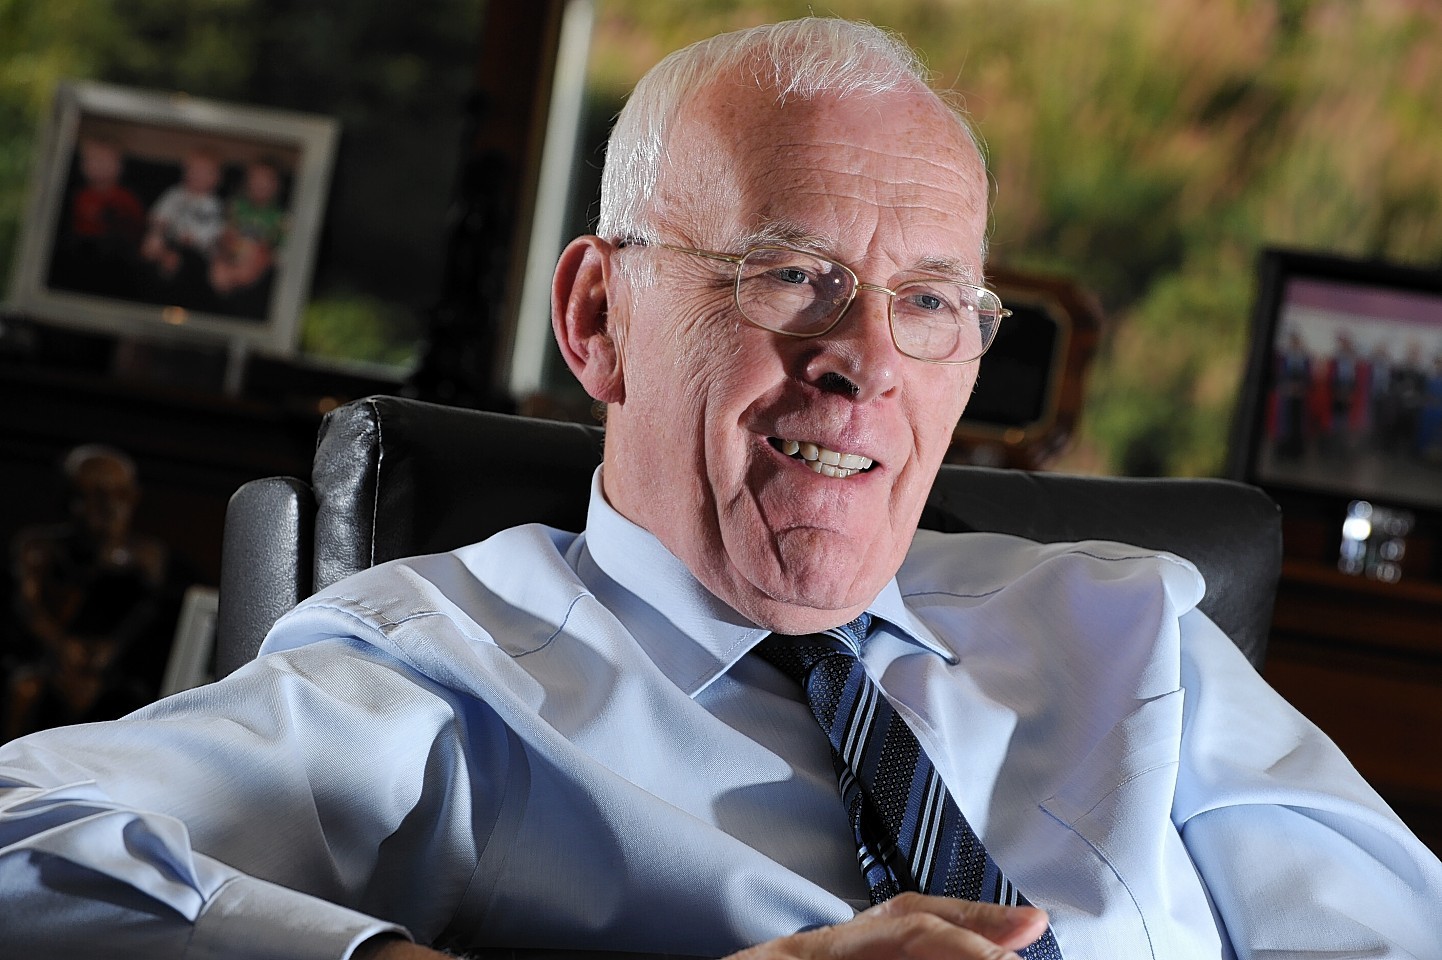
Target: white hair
column 798, row 59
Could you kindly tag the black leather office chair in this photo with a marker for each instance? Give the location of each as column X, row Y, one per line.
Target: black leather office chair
column 395, row 477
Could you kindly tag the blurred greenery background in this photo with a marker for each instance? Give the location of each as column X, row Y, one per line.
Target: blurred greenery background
column 1146, row 150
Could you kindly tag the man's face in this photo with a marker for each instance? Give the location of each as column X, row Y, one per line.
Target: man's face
column 889, row 186
column 103, row 498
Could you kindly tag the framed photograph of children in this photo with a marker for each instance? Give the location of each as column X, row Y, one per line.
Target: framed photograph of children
column 161, row 215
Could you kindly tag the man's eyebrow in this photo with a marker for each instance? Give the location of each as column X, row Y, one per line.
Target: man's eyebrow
column 793, row 235
column 949, row 267
column 790, row 234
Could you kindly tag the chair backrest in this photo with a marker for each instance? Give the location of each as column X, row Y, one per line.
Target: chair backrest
column 394, row 477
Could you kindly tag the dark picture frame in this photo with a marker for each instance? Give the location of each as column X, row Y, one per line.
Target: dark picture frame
column 155, row 215
column 1342, row 396
column 1030, row 387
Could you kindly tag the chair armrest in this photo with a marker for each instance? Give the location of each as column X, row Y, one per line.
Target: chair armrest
column 266, row 560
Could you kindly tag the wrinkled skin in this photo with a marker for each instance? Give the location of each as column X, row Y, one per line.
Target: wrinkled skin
column 889, row 185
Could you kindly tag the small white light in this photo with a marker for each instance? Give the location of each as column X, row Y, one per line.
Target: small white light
column 1356, row 528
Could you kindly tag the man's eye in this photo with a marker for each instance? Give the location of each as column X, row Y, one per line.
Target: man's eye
column 794, row 275
column 928, row 301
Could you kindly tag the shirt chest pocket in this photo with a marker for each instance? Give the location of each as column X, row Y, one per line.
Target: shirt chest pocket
column 1135, row 762
column 1118, row 800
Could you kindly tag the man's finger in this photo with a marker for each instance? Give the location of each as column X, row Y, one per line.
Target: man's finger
column 914, row 927
column 1010, row 927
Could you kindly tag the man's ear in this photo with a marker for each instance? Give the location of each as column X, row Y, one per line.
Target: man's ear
column 580, row 316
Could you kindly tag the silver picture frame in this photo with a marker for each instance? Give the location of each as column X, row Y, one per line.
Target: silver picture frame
column 252, row 181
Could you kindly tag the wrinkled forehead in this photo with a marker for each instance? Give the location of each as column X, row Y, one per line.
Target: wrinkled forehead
column 741, row 159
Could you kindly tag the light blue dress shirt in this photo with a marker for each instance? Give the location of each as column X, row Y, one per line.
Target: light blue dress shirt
column 557, row 740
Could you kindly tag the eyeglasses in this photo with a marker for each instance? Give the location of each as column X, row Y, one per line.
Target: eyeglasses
column 799, row 294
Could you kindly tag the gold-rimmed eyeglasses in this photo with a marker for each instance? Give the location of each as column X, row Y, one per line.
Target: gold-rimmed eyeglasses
column 798, row 293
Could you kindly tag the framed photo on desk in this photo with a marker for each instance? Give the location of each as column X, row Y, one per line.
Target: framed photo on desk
column 1343, row 392
column 155, row 215
column 1341, row 412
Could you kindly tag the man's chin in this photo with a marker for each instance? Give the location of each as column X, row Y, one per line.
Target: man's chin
column 796, row 620
column 803, row 581
column 804, row 605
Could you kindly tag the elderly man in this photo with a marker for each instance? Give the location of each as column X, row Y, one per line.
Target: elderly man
column 750, row 707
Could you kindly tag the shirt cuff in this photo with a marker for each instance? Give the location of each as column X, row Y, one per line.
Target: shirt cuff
column 252, row 918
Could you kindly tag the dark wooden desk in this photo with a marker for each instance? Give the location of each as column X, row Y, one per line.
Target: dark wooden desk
column 1363, row 660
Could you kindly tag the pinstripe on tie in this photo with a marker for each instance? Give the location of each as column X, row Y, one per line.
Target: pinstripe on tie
column 910, row 834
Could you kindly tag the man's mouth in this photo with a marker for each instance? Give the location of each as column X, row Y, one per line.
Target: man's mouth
column 823, row 460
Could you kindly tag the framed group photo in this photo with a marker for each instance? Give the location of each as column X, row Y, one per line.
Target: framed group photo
column 1343, row 393
column 154, row 214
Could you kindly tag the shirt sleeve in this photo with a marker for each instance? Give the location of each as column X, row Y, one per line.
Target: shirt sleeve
column 1301, row 857
column 241, row 819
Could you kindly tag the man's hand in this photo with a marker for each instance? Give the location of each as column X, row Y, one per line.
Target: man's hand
column 914, row 927
column 394, row 948
column 908, row 927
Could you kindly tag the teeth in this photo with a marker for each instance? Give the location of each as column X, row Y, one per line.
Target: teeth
column 823, row 460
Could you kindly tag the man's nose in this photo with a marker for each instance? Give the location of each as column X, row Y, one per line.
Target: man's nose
column 858, row 356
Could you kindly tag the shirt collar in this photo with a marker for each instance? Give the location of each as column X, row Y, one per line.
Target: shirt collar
column 638, row 579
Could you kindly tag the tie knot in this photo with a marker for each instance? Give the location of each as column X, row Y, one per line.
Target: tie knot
column 796, row 656
column 855, row 632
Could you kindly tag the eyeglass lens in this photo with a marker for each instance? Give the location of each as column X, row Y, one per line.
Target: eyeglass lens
column 794, row 292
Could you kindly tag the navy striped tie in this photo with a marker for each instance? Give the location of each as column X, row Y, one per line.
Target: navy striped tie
column 910, row 834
